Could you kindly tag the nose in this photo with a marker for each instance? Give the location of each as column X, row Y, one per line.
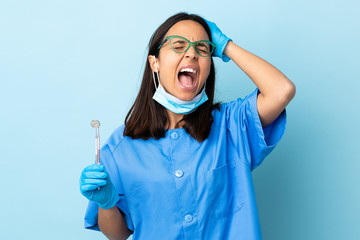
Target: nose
column 191, row 53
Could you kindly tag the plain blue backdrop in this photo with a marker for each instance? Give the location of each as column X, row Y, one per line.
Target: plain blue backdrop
column 64, row 63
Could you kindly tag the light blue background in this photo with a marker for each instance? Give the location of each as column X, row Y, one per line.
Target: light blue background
column 64, row 63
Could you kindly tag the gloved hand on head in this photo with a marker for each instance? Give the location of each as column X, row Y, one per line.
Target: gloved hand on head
column 220, row 39
column 95, row 176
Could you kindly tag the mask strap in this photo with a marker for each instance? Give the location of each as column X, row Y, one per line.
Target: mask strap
column 157, row 74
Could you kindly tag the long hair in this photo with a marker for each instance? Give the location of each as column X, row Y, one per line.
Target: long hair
column 147, row 118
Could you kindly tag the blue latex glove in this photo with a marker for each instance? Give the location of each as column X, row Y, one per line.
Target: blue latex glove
column 220, row 40
column 95, row 176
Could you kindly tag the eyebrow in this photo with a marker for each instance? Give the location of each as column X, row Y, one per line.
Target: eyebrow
column 180, row 40
column 202, row 44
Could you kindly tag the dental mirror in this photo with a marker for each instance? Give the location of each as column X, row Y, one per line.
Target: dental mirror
column 95, row 123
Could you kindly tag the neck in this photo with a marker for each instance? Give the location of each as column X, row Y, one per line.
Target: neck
column 174, row 118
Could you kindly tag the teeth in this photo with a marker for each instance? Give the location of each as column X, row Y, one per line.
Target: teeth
column 188, row 70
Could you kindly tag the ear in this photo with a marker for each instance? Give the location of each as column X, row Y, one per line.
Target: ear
column 153, row 67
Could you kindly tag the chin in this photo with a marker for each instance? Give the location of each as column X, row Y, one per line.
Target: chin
column 186, row 96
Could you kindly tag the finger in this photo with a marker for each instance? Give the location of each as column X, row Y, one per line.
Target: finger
column 208, row 22
column 97, row 182
column 97, row 175
column 94, row 167
column 88, row 187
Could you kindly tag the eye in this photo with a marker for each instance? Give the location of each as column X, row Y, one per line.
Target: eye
column 202, row 47
column 179, row 44
column 179, row 48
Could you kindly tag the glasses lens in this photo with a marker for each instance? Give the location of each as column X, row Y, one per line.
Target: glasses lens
column 204, row 48
column 179, row 45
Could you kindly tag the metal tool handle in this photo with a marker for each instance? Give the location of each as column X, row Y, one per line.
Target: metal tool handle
column 96, row 124
column 97, row 146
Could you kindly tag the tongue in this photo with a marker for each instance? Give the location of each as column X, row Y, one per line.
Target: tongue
column 185, row 80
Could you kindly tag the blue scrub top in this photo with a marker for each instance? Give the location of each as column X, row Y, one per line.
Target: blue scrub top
column 178, row 188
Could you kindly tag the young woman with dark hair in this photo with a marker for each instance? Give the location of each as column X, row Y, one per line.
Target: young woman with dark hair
column 147, row 118
column 180, row 167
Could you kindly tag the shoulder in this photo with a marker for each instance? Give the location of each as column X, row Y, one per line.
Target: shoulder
column 115, row 138
column 226, row 108
column 240, row 102
column 234, row 108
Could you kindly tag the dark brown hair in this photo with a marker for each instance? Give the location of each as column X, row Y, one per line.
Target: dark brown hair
column 147, row 118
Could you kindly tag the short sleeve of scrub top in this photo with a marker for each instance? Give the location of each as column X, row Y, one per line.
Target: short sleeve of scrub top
column 245, row 129
column 178, row 188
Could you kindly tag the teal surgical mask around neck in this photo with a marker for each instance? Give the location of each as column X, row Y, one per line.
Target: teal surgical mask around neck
column 174, row 104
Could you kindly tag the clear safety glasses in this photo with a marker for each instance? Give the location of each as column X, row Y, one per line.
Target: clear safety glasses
column 180, row 45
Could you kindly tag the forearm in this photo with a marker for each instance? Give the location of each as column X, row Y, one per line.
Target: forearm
column 269, row 80
column 112, row 224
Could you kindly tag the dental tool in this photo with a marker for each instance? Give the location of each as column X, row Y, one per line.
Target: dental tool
column 96, row 124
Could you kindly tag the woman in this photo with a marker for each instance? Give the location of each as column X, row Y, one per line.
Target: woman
column 180, row 167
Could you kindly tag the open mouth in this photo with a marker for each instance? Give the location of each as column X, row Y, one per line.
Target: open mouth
column 187, row 77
